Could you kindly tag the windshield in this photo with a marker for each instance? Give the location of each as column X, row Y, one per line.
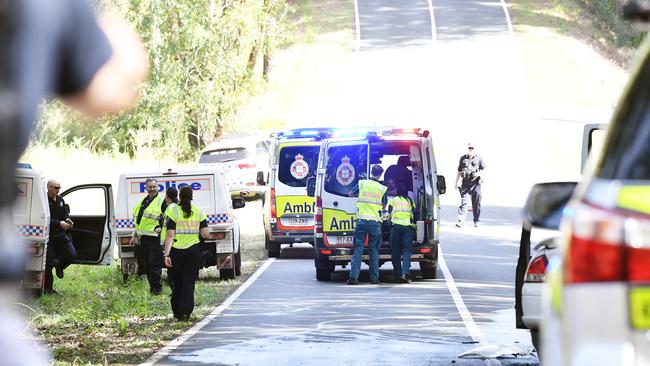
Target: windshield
column 224, row 155
column 345, row 166
column 297, row 164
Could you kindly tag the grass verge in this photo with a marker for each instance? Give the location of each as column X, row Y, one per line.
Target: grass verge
column 97, row 319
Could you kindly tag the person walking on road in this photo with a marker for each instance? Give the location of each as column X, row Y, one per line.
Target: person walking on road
column 468, row 181
column 401, row 234
column 147, row 214
column 369, row 219
column 185, row 223
column 60, row 251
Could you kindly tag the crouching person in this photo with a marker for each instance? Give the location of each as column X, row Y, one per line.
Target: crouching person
column 185, row 222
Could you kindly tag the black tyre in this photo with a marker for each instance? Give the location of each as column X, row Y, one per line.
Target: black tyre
column 534, row 337
column 428, row 270
column 238, row 263
column 125, row 278
column 324, row 273
column 227, row 274
column 272, row 248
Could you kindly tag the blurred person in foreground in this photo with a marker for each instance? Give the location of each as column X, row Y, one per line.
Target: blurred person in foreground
column 51, row 48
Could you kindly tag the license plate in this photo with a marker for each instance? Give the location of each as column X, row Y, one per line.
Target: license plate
column 340, row 239
column 297, row 221
column 640, row 307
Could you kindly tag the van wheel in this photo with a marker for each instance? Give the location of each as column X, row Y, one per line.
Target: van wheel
column 324, row 273
column 238, row 263
column 534, row 337
column 227, row 274
column 272, row 248
column 428, row 270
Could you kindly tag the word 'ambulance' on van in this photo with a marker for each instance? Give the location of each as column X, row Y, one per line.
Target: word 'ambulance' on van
column 288, row 211
column 407, row 156
column 209, row 193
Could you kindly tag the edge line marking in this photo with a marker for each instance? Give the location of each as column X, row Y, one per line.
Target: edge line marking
column 172, row 345
column 357, row 26
column 434, row 29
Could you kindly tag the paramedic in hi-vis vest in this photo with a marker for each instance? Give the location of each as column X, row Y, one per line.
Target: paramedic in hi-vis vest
column 147, row 214
column 185, row 223
column 368, row 222
column 401, row 234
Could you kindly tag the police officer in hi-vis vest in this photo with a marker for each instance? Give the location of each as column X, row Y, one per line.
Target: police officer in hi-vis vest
column 369, row 207
column 171, row 199
column 185, row 222
column 147, row 214
column 401, row 234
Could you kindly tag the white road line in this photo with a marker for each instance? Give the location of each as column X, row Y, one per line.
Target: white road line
column 357, row 21
column 473, row 330
column 171, row 346
column 511, row 30
column 434, row 29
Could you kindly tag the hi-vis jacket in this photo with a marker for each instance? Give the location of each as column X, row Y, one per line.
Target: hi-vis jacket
column 150, row 217
column 187, row 228
column 402, row 212
column 163, row 230
column 371, row 195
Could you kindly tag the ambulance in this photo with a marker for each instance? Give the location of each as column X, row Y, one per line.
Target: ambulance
column 407, row 155
column 288, row 211
column 91, row 210
column 222, row 249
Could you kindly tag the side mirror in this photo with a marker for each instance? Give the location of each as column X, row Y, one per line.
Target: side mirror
column 238, row 203
column 441, row 184
column 311, row 186
column 260, row 178
column 546, row 202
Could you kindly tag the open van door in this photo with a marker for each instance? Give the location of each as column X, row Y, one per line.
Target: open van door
column 93, row 233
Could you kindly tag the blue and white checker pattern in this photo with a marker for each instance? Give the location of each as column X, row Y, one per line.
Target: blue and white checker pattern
column 218, row 218
column 124, row 223
column 30, row 230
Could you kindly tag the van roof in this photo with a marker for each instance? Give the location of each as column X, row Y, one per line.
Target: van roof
column 168, row 172
column 235, row 142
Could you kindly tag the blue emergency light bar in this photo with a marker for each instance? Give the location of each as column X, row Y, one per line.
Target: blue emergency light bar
column 298, row 133
column 23, row 165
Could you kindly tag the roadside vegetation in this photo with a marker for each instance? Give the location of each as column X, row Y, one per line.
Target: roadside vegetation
column 596, row 22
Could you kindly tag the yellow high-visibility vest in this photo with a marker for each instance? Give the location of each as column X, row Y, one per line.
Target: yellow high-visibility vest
column 402, row 211
column 187, row 228
column 370, row 200
column 150, row 216
column 163, row 230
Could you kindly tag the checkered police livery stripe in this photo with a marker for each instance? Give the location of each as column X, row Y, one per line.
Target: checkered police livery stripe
column 124, row 223
column 29, row 230
column 219, row 218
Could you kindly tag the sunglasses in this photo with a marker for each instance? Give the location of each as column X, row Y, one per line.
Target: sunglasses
column 57, row 188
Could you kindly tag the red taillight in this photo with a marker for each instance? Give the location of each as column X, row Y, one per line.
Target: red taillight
column 247, row 164
column 318, row 215
column 537, row 270
column 597, row 248
column 325, row 251
column 272, row 202
column 426, row 250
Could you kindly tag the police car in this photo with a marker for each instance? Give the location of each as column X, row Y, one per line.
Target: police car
column 345, row 158
column 239, row 159
column 91, row 210
column 596, row 304
column 288, row 211
column 209, row 193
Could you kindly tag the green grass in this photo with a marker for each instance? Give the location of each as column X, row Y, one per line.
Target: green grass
column 98, row 319
column 324, row 20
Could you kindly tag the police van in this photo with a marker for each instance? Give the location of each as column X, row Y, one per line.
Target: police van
column 91, row 210
column 408, row 159
column 288, row 211
column 209, row 193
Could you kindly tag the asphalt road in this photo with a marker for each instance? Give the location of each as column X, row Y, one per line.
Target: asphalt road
column 458, row 74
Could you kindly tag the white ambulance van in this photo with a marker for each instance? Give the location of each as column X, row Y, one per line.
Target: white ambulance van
column 91, row 209
column 288, row 211
column 408, row 156
column 210, row 194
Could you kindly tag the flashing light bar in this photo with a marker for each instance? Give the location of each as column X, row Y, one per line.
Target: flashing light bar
column 315, row 132
column 323, row 133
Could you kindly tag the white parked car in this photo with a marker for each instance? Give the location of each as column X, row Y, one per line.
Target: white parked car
column 239, row 159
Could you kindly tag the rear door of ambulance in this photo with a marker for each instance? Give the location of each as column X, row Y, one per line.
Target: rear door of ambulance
column 297, row 162
column 92, row 211
column 345, row 164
